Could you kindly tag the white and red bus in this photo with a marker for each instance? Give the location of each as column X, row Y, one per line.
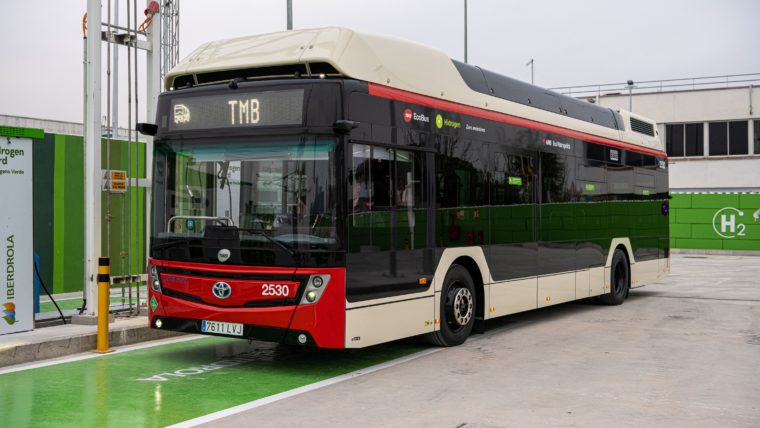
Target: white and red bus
column 336, row 189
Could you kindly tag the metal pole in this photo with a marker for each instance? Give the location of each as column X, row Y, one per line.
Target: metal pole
column 530, row 63
column 465, row 31
column 290, row 14
column 630, row 95
column 92, row 156
column 115, row 80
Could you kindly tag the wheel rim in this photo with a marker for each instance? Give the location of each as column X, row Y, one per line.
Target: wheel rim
column 459, row 307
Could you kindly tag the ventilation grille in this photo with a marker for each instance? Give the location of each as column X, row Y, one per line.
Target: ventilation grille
column 258, row 73
column 642, row 127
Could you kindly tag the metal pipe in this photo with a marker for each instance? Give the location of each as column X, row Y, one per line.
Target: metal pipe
column 127, row 29
column 84, row 132
column 108, row 136
column 290, row 15
column 137, row 118
column 465, row 31
column 115, row 96
column 750, row 99
column 129, row 107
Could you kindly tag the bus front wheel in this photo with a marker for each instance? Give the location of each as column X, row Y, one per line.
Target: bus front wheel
column 620, row 279
column 457, row 315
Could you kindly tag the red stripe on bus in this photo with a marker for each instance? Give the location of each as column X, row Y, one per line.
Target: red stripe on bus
column 424, row 100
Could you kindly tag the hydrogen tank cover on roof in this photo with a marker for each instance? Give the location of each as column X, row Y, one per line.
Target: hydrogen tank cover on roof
column 399, row 64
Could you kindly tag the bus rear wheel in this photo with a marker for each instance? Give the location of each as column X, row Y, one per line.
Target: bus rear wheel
column 620, row 280
column 457, row 315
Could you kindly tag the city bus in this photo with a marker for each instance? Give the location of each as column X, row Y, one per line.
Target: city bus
column 336, row 189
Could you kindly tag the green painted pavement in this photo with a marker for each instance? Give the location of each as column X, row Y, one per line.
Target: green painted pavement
column 172, row 383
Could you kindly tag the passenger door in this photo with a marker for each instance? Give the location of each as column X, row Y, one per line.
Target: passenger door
column 390, row 224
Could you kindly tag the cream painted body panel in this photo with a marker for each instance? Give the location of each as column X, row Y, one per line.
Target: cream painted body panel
column 582, row 284
column 597, row 280
column 383, row 60
column 382, row 320
column 382, row 323
column 509, row 297
column 643, row 273
column 614, row 244
column 554, row 289
column 451, row 254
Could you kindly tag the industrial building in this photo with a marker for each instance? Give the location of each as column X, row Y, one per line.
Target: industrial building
column 711, row 128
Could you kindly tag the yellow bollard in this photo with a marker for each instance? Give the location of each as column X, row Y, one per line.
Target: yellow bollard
column 104, row 282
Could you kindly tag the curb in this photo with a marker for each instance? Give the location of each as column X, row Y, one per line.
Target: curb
column 84, row 342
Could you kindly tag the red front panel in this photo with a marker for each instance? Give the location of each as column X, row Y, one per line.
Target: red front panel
column 323, row 320
column 276, row 316
column 244, row 291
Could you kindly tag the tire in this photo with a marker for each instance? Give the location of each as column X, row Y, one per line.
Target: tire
column 458, row 305
column 620, row 280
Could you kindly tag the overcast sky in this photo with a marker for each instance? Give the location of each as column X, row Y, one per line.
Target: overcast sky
column 572, row 42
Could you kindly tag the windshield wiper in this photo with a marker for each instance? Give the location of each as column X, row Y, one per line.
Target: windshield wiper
column 280, row 244
column 173, row 243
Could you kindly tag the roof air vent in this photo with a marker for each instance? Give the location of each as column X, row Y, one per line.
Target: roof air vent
column 642, row 127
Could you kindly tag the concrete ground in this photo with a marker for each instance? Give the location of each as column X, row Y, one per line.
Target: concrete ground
column 681, row 353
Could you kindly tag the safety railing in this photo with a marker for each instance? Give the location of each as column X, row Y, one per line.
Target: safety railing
column 664, row 85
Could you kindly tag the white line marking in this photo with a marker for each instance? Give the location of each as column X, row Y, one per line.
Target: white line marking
column 88, row 355
column 301, row 390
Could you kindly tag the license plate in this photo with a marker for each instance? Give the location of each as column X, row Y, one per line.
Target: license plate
column 218, row 327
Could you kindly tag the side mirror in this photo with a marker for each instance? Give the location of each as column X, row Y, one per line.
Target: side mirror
column 149, row 129
column 344, row 126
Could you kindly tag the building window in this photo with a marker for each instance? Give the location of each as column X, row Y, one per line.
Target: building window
column 737, row 138
column 685, row 139
column 718, row 138
column 757, row 137
column 674, row 139
column 729, row 138
column 695, row 139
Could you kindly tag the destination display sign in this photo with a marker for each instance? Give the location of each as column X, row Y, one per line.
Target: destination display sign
column 236, row 110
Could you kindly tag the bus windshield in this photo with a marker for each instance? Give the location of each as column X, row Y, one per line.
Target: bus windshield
column 274, row 195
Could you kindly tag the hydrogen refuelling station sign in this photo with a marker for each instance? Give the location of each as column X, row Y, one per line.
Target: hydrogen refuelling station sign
column 16, row 245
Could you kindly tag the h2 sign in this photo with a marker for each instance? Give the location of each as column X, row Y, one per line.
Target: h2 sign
column 727, row 223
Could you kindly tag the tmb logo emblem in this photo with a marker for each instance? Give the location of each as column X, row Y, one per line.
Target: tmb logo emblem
column 408, row 115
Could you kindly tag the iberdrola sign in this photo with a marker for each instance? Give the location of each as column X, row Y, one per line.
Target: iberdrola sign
column 16, row 245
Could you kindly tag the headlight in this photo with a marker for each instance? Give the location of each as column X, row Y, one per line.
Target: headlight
column 315, row 286
column 155, row 280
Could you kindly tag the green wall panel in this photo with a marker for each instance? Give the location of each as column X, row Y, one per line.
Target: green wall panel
column 715, row 200
column 44, row 165
column 692, row 215
column 73, row 276
column 59, row 220
column 127, row 211
column 59, row 214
